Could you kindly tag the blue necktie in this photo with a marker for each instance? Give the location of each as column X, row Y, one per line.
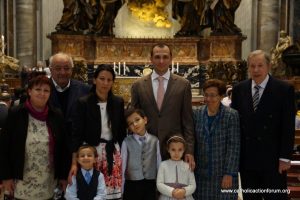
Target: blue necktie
column 87, row 177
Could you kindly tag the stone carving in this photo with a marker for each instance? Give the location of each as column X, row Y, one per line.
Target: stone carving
column 90, row 16
column 223, row 12
column 278, row 66
column 7, row 64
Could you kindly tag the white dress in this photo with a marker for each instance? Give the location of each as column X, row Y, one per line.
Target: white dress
column 175, row 173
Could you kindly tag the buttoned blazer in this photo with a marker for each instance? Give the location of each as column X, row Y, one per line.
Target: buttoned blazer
column 175, row 115
column 13, row 142
column 87, row 121
column 268, row 133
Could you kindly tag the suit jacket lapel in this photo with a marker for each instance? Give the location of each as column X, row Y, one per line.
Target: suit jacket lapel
column 249, row 99
column 169, row 90
column 266, row 95
column 95, row 110
column 71, row 97
column 149, row 91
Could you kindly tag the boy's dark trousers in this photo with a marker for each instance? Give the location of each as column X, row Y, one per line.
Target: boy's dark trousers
column 140, row 190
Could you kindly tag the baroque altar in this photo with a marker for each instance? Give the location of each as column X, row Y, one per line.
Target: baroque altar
column 193, row 57
column 122, row 34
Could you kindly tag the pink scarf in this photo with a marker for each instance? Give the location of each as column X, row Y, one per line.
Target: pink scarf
column 43, row 116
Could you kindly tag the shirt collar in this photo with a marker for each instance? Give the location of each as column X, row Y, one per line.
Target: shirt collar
column 83, row 171
column 263, row 84
column 166, row 76
column 136, row 136
column 58, row 88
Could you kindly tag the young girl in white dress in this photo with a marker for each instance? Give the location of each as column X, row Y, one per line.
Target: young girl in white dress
column 174, row 179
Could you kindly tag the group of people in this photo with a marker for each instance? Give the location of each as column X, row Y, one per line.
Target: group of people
column 70, row 132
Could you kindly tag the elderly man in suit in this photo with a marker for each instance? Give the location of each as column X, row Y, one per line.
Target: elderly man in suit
column 166, row 100
column 267, row 115
column 65, row 91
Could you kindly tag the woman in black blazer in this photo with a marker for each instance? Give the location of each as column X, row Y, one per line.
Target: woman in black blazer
column 99, row 121
column 33, row 147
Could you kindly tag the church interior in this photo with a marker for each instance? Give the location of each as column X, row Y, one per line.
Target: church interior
column 209, row 39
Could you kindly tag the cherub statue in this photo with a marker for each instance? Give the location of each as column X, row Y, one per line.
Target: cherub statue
column 284, row 41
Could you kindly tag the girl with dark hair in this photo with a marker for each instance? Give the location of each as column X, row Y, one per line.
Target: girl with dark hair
column 99, row 121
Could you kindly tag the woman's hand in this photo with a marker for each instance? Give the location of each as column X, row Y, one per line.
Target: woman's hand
column 9, row 186
column 226, row 182
column 73, row 172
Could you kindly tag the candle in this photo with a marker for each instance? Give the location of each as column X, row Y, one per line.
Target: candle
column 172, row 66
column 119, row 69
column 177, row 68
column 124, row 66
column 115, row 67
column 2, row 40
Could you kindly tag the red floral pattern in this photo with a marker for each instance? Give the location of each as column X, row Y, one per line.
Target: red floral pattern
column 114, row 181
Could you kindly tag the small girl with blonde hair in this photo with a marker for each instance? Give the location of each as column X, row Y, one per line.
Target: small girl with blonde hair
column 175, row 180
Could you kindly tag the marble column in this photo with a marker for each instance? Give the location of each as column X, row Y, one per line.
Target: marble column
column 268, row 24
column 26, row 32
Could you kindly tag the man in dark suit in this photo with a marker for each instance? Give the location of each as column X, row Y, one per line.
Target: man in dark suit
column 65, row 91
column 166, row 100
column 267, row 115
column 5, row 101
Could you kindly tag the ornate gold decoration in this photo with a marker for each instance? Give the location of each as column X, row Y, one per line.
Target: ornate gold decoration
column 122, row 87
column 151, row 12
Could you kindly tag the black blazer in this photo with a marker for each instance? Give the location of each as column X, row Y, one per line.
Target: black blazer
column 87, row 121
column 13, row 140
column 77, row 89
column 268, row 133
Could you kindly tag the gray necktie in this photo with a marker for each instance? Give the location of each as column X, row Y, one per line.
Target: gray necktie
column 256, row 97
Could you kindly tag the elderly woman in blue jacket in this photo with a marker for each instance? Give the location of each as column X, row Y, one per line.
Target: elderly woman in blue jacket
column 217, row 145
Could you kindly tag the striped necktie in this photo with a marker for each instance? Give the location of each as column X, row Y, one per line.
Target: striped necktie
column 256, row 97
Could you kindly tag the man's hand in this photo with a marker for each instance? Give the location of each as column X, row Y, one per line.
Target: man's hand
column 63, row 184
column 73, row 172
column 189, row 158
column 283, row 166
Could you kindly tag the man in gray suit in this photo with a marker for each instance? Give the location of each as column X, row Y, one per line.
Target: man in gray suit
column 167, row 101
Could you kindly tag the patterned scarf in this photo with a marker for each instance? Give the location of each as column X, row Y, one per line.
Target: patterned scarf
column 43, row 116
